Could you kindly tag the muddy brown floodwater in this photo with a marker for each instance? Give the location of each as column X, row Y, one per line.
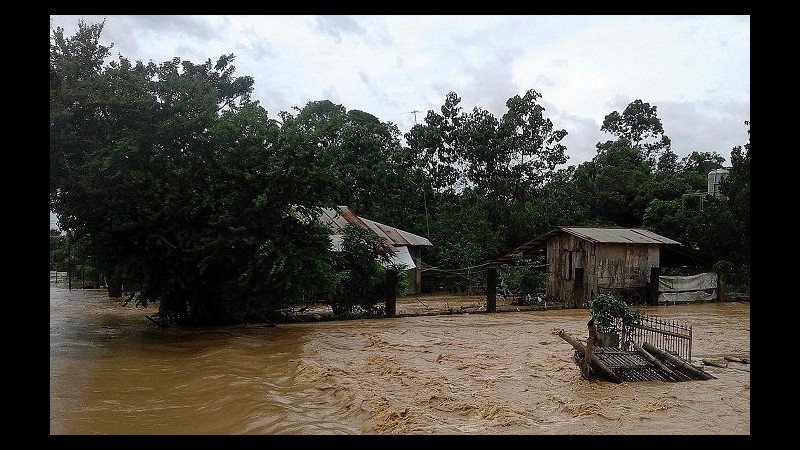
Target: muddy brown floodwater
column 113, row 372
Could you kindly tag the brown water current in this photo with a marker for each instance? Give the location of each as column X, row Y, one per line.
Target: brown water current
column 113, row 372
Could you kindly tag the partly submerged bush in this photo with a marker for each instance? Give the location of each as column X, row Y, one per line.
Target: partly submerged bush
column 605, row 308
column 362, row 277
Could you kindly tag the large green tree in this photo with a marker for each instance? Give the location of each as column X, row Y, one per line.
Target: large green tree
column 183, row 186
column 483, row 178
column 639, row 125
column 639, row 165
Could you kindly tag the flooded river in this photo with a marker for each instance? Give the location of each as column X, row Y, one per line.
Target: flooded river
column 114, row 372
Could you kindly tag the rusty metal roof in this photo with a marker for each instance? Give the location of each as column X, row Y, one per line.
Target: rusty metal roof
column 338, row 218
column 618, row 235
column 611, row 235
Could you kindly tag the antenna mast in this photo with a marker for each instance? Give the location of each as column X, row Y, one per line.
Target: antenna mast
column 414, row 112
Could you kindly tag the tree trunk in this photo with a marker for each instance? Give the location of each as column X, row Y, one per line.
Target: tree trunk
column 114, row 282
column 391, row 292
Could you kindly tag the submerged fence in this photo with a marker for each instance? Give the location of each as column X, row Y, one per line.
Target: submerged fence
column 669, row 335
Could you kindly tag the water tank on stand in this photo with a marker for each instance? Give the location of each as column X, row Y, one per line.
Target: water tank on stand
column 715, row 177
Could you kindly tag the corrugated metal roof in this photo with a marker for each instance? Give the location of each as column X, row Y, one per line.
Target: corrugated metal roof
column 592, row 234
column 342, row 215
column 618, row 235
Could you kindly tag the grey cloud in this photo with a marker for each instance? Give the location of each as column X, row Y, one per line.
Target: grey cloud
column 378, row 31
column 130, row 33
column 364, row 78
column 442, row 88
column 335, row 26
column 274, row 97
column 542, row 80
column 492, row 83
column 560, row 62
column 193, row 26
column 707, row 126
column 376, row 91
column 192, row 54
column 619, row 103
column 117, row 30
column 255, row 45
column 330, row 94
column 583, row 134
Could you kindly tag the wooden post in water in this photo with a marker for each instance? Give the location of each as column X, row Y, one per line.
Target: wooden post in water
column 491, row 289
column 595, row 361
column 655, row 272
column 391, row 292
column 69, row 264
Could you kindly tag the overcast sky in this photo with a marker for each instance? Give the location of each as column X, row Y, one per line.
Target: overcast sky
column 694, row 69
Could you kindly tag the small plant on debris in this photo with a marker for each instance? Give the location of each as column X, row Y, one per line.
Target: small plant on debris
column 605, row 308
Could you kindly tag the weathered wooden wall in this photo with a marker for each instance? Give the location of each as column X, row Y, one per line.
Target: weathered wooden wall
column 565, row 254
column 415, row 275
column 605, row 267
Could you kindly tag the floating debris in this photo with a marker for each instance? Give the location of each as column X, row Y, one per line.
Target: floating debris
column 638, row 359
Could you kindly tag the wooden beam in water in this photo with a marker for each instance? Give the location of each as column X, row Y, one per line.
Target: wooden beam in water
column 677, row 362
column 652, row 360
column 601, row 366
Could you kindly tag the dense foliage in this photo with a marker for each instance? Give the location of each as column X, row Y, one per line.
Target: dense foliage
column 183, row 190
column 606, row 308
column 360, row 270
column 524, row 280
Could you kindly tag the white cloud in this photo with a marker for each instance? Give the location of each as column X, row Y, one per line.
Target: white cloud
column 695, row 69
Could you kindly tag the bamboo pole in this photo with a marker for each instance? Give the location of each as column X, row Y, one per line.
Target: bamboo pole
column 714, row 363
column 677, row 362
column 652, row 360
column 595, row 361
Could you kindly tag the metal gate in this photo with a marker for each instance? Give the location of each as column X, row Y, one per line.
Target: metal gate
column 669, row 335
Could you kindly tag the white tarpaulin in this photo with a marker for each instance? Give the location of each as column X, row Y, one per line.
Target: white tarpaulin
column 400, row 256
column 692, row 288
column 691, row 296
column 697, row 282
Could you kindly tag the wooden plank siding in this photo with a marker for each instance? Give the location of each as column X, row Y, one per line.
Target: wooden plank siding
column 415, row 275
column 605, row 267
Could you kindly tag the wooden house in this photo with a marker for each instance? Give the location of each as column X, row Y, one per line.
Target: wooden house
column 585, row 261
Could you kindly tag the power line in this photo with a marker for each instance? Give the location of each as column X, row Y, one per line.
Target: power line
column 454, row 270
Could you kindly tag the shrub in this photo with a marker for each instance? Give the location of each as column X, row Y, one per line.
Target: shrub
column 605, row 308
